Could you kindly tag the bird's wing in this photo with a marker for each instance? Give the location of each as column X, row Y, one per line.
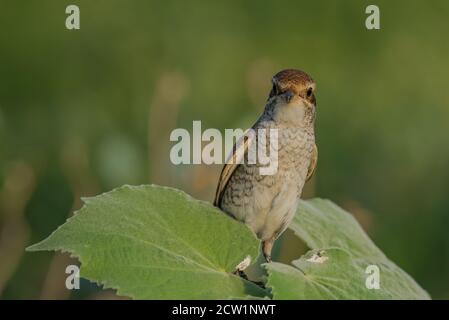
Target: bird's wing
column 313, row 162
column 239, row 151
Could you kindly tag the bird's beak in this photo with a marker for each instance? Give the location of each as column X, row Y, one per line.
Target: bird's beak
column 288, row 96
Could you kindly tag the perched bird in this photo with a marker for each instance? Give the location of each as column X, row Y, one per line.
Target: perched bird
column 267, row 203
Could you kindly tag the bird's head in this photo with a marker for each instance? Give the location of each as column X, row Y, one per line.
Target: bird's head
column 293, row 94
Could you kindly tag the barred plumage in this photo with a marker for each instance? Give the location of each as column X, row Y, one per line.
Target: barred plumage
column 267, row 203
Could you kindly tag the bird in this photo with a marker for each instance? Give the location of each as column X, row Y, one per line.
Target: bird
column 267, row 203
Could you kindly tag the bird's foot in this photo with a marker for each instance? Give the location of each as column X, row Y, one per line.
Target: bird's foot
column 267, row 246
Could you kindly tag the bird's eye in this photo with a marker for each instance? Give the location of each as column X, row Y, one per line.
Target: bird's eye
column 309, row 92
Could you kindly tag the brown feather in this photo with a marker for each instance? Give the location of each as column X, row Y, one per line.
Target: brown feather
column 313, row 163
column 231, row 164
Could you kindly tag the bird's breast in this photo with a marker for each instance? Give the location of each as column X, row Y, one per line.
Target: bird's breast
column 295, row 151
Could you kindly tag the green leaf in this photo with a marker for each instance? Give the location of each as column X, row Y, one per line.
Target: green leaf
column 335, row 277
column 336, row 266
column 152, row 242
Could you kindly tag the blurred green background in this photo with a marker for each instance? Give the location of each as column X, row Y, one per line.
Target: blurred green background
column 85, row 111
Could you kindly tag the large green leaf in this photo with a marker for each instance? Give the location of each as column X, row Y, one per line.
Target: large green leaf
column 156, row 242
column 336, row 266
column 153, row 242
